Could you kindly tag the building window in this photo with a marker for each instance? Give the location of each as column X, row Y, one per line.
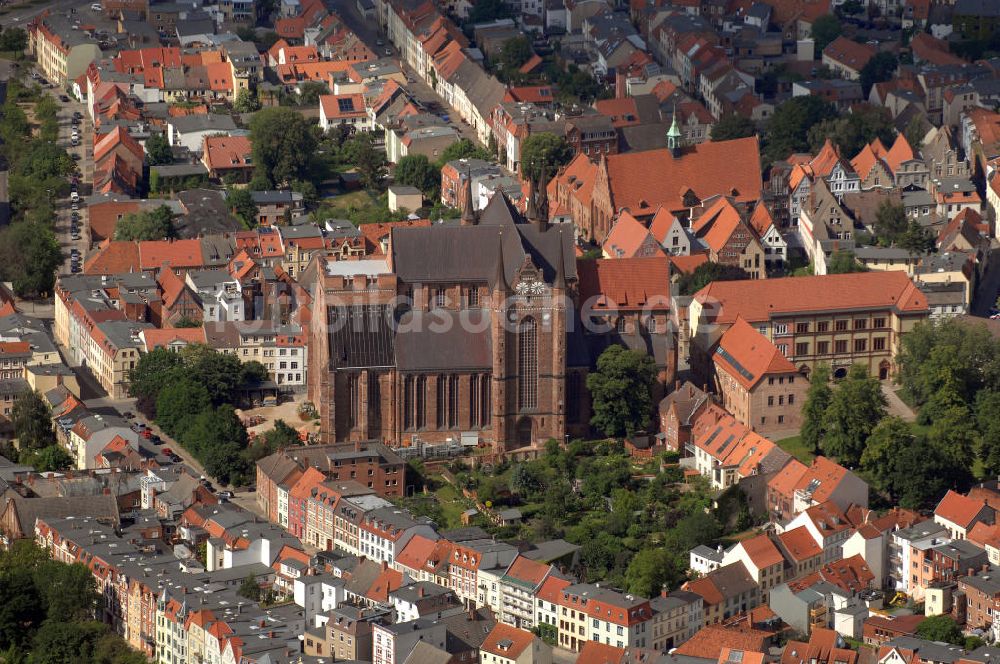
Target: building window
column 527, row 365
column 486, row 407
column 801, row 328
column 840, row 346
column 878, row 343
column 802, row 349
column 441, row 401
column 473, row 296
column 878, row 323
column 453, row 402
column 860, row 345
column 860, row 324
column 840, row 325
column 822, row 326
column 822, row 347
column 573, row 396
column 352, row 409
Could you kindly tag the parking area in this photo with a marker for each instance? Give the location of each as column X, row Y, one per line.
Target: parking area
column 259, row 420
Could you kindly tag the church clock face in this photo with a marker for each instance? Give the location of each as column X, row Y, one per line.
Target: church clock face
column 530, row 287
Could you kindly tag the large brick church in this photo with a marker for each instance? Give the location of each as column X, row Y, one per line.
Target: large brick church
column 464, row 332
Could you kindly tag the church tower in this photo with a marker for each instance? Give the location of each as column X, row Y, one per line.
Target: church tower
column 674, row 137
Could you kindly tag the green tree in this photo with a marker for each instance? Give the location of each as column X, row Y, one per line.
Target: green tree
column 917, row 239
column 463, row 149
column 310, row 92
column 844, row 262
column 890, row 222
column 368, row 159
column 21, row 610
column 880, row 68
column 513, row 53
column 283, row 144
column 152, row 373
column 29, row 257
column 621, row 390
column 484, row 11
column 544, row 152
column 218, row 438
column 818, row 399
column 156, row 224
column 889, row 437
column 178, row 402
column 417, row 171
column 69, row 591
column 250, row 589
column 59, row 642
column 987, row 407
column 47, row 459
column 733, row 126
column 825, row 29
column 916, row 129
column 649, row 571
column 32, row 421
column 788, row 129
column 246, row 101
column 13, row 39
column 941, row 628
column 708, row 272
column 158, row 149
column 858, row 404
column 852, row 131
column 240, row 201
column 954, row 429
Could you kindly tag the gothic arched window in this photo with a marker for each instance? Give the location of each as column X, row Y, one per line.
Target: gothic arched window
column 527, row 365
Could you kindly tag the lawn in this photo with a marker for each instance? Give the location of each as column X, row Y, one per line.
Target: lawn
column 794, row 446
column 452, row 504
column 358, row 198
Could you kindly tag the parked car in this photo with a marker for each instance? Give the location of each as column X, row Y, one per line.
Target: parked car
column 227, row 495
column 77, row 115
column 168, row 451
column 96, row 6
column 75, row 156
column 64, row 99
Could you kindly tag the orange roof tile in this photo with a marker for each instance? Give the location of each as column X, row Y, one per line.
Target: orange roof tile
column 527, row 570
column 800, row 544
column 849, row 53
column 761, row 220
column 161, row 338
column 688, row 264
column 757, row 301
column 642, row 181
column 225, row 152
column 113, row 258
column 748, row 356
column 155, row 254
column 958, row 509
column 709, row 641
column 629, row 238
column 310, row 480
column 595, row 652
column 625, row 283
column 507, row 642
column 761, row 551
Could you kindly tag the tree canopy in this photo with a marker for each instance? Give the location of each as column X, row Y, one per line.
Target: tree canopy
column 788, row 129
column 880, row 68
column 852, row 131
column 825, row 29
column 29, row 257
column 240, row 201
column 153, row 224
column 733, row 126
column 246, row 101
column 361, row 152
column 417, row 171
column 544, row 152
column 844, row 262
column 282, row 144
column 158, row 149
column 621, row 391
column 855, row 409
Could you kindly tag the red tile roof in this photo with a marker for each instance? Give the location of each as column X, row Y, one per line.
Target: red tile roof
column 528, row 570
column 113, row 258
column 761, row 551
column 849, row 53
column 161, row 338
column 958, row 509
column 643, row 181
column 627, row 237
column 748, row 356
column 225, row 152
column 709, row 641
column 507, row 642
column 759, row 300
column 625, row 283
column 800, row 544
column 156, row 254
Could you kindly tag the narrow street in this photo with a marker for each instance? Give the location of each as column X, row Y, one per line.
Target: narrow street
column 989, row 288
column 416, row 86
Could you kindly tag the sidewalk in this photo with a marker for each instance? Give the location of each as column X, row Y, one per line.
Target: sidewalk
column 897, row 406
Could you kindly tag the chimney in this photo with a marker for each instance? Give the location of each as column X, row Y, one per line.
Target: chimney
column 971, row 572
column 677, row 384
column 986, row 568
column 420, row 590
column 385, row 565
column 664, row 592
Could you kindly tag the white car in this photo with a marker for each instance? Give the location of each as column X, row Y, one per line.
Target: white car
column 96, row 7
column 74, row 197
